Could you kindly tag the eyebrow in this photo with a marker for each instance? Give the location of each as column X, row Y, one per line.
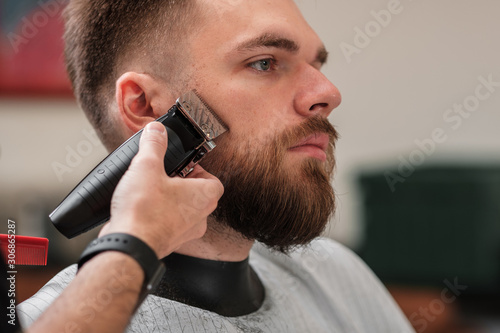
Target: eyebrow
column 322, row 55
column 269, row 40
column 279, row 42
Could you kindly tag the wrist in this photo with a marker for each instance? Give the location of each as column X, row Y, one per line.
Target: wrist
column 129, row 245
column 151, row 240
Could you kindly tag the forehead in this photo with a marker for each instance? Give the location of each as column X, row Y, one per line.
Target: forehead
column 230, row 23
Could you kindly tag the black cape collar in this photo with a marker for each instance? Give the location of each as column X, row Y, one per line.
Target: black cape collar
column 230, row 289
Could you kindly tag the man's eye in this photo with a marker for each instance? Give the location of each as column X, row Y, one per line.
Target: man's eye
column 263, row 65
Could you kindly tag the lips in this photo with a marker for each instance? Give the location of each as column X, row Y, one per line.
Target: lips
column 314, row 145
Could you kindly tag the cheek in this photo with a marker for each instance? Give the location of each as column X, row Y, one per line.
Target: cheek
column 255, row 117
column 244, row 144
column 250, row 113
column 255, row 134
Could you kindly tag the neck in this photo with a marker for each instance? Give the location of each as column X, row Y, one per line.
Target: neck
column 219, row 243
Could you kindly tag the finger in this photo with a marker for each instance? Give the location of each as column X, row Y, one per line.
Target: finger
column 213, row 187
column 152, row 146
column 203, row 195
column 199, row 172
column 154, row 139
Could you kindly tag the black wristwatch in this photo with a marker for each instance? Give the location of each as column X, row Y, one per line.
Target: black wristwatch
column 137, row 249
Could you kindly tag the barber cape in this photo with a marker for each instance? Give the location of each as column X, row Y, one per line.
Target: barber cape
column 323, row 287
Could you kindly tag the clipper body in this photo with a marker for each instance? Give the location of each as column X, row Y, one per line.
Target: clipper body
column 191, row 126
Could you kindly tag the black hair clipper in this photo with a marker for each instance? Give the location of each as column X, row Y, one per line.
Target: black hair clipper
column 191, row 126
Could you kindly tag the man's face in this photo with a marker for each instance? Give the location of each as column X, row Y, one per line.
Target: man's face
column 257, row 64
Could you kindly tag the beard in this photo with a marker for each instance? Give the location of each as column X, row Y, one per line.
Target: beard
column 267, row 200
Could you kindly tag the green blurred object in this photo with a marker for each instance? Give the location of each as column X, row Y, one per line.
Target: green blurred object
column 439, row 223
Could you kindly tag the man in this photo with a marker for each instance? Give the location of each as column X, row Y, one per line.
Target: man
column 257, row 64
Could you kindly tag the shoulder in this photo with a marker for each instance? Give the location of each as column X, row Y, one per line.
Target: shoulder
column 328, row 263
column 324, row 261
column 29, row 310
column 337, row 273
column 322, row 254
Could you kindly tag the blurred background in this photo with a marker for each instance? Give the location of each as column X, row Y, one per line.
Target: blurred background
column 418, row 162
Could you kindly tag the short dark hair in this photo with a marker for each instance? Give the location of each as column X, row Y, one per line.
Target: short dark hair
column 101, row 34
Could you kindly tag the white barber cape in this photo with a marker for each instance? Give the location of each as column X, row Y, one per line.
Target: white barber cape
column 324, row 287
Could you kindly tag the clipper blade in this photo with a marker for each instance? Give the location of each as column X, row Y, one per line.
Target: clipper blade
column 201, row 115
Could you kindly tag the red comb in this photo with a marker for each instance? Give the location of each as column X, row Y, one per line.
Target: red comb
column 24, row 250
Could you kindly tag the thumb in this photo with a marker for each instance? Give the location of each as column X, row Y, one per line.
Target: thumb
column 153, row 140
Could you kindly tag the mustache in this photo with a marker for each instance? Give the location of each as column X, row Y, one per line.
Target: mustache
column 312, row 125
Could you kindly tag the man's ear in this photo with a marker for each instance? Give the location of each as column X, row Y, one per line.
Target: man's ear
column 138, row 97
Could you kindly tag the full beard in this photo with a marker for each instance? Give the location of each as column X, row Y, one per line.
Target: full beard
column 267, row 200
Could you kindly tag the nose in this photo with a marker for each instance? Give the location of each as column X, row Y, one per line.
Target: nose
column 315, row 95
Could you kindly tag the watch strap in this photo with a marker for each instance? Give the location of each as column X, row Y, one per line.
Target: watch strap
column 133, row 246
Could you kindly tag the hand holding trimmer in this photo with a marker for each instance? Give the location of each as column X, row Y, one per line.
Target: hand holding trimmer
column 191, row 126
